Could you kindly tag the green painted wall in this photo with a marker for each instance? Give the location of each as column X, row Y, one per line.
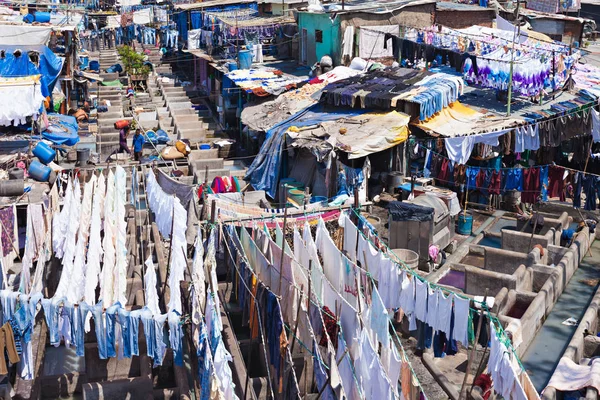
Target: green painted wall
column 331, row 43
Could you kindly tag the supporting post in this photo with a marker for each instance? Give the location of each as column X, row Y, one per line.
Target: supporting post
column 512, row 60
column 213, row 211
column 285, row 214
column 297, row 316
column 463, row 388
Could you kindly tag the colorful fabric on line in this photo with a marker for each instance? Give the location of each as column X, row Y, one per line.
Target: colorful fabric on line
column 7, row 217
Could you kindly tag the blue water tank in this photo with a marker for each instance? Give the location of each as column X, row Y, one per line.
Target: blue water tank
column 42, row 17
column 39, row 171
column 245, row 58
column 44, row 152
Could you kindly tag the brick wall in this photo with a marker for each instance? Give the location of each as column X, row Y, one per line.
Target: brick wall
column 464, row 19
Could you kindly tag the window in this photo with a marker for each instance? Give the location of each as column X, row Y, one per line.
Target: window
column 318, row 36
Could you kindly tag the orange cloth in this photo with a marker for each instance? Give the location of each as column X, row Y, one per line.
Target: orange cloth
column 7, row 342
column 253, row 321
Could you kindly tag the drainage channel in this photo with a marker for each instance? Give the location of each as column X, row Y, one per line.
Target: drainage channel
column 550, row 343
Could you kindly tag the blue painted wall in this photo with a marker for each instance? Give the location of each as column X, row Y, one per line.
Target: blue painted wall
column 331, row 43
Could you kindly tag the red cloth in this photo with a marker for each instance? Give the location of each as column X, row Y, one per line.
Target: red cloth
column 331, row 326
column 531, row 185
column 444, row 175
column 218, row 186
column 495, row 182
column 556, row 183
column 480, row 180
column 484, row 381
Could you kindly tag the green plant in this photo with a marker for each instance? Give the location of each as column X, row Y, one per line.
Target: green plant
column 133, row 62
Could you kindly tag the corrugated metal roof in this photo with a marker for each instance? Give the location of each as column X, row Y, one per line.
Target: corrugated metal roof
column 372, row 6
column 212, row 3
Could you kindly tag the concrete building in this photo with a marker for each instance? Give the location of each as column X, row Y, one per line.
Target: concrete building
column 322, row 33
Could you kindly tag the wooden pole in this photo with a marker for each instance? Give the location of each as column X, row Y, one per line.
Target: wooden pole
column 463, row 388
column 213, row 211
column 297, row 316
column 285, row 214
column 512, row 60
column 535, row 215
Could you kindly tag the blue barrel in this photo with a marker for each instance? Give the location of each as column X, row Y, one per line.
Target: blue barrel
column 44, row 152
column 232, row 66
column 465, row 224
column 28, row 18
column 39, row 171
column 245, row 58
column 42, row 17
column 94, row 65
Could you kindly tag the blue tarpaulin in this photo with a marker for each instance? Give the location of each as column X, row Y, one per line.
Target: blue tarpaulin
column 50, row 65
column 265, row 171
column 63, row 129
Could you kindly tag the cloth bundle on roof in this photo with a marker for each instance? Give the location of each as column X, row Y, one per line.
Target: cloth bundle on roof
column 396, row 88
column 264, row 115
column 264, row 81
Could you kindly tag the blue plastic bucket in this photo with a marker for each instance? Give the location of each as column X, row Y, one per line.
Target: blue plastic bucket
column 245, row 58
column 205, row 147
column 94, row 65
column 232, row 66
column 85, row 62
column 42, row 17
column 28, row 18
column 44, row 152
column 39, row 171
column 465, row 224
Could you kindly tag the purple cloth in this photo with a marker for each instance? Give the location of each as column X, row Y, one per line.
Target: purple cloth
column 8, row 229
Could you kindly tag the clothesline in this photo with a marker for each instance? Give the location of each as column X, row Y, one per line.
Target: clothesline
column 468, row 35
column 513, row 168
column 483, row 305
column 303, row 293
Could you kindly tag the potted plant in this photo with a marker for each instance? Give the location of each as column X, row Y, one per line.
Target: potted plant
column 133, row 63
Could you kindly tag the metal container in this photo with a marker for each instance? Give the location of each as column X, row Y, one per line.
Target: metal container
column 16, row 173
column 409, row 257
column 10, row 188
column 83, row 155
column 394, row 179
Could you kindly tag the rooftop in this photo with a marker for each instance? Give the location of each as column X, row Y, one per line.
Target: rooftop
column 372, row 6
column 211, row 3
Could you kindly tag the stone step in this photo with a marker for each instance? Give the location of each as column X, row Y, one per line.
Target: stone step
column 212, row 174
column 173, row 89
column 186, row 118
column 203, row 154
column 109, row 76
column 110, row 114
column 180, row 105
column 211, row 163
